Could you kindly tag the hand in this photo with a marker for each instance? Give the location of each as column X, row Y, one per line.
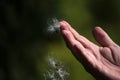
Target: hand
column 102, row 62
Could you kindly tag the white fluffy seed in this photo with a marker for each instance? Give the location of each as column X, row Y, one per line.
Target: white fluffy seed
column 53, row 25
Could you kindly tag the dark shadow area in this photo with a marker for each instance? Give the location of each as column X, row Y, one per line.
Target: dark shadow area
column 22, row 40
column 105, row 11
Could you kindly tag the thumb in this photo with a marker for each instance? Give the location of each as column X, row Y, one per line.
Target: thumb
column 102, row 37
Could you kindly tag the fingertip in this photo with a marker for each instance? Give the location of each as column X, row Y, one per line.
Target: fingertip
column 63, row 25
column 102, row 37
column 99, row 31
column 97, row 28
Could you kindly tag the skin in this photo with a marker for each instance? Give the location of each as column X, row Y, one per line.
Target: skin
column 103, row 62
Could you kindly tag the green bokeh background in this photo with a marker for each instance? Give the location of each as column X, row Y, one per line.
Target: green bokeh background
column 25, row 43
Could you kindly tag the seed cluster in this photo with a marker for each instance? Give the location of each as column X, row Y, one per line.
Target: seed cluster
column 57, row 71
column 53, row 25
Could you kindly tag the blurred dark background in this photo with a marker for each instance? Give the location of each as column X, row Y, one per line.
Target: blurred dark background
column 24, row 42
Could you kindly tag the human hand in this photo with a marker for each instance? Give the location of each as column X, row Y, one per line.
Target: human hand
column 102, row 62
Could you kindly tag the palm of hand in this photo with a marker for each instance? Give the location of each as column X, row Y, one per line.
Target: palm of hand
column 102, row 62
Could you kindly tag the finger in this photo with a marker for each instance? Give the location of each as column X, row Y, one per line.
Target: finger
column 76, row 47
column 63, row 26
column 85, row 42
column 102, row 37
column 70, row 40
